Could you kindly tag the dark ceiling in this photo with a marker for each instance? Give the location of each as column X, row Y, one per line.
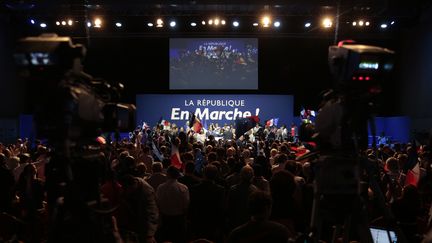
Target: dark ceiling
column 135, row 13
column 76, row 8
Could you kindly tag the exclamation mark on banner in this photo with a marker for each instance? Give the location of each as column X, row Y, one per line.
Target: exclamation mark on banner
column 257, row 111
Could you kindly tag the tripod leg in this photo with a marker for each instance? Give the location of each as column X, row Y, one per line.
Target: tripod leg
column 347, row 227
column 316, row 222
column 336, row 232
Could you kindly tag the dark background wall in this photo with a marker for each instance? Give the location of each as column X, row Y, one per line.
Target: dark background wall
column 287, row 64
column 416, row 73
column 11, row 100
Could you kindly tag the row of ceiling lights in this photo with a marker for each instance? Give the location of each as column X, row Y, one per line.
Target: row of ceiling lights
column 265, row 22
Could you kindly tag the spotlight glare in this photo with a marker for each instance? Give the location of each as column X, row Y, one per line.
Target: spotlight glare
column 32, row 21
column 255, row 24
column 216, row 21
column 43, row 25
column 367, row 23
column 361, row 23
column 307, row 25
column 384, row 26
column 89, row 24
column 236, row 24
column 203, row 22
column 193, row 24
column 63, row 22
column 354, row 23
column 210, row 22
column 118, row 24
column 392, row 23
column 277, row 24
column 327, row 23
column 173, row 23
column 57, row 22
column 97, row 23
column 159, row 23
column 223, row 22
column 70, row 22
column 150, row 24
column 266, row 21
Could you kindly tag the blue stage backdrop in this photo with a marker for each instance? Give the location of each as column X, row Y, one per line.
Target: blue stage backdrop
column 396, row 128
column 219, row 109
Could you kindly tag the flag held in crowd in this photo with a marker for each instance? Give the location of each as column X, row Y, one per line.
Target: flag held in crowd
column 175, row 157
column 272, row 122
column 413, row 175
column 145, row 126
column 245, row 124
column 164, row 124
column 307, row 113
column 194, row 123
column 156, row 152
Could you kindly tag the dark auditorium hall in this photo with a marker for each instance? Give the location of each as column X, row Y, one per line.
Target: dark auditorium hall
column 216, row 121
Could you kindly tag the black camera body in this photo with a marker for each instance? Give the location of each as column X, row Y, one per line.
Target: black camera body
column 65, row 101
column 359, row 74
column 71, row 109
column 359, row 68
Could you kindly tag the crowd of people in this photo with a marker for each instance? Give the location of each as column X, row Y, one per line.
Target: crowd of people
column 167, row 185
column 223, row 63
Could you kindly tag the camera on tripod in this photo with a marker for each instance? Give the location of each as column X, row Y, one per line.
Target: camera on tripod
column 71, row 109
column 65, row 101
column 359, row 68
column 341, row 130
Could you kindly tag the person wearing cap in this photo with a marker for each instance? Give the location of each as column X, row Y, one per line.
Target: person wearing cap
column 173, row 200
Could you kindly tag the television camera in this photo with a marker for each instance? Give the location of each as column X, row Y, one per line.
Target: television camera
column 341, row 130
column 71, row 109
column 66, row 102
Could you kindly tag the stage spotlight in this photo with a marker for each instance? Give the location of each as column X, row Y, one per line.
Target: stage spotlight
column 255, row 24
column 159, row 23
column 361, row 23
column 327, row 23
column 277, row 24
column 367, row 23
column 43, row 25
column 118, row 25
column 392, row 23
column 57, row 22
column 210, row 22
column 150, row 24
column 266, row 21
column 32, row 21
column 216, row 22
column 70, row 22
column 63, row 22
column 203, row 22
column 173, row 24
column 223, row 22
column 97, row 23
column 354, row 23
column 384, row 26
column 236, row 24
column 307, row 25
column 89, row 24
column 193, row 24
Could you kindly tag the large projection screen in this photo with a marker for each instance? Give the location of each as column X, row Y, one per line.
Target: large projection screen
column 213, row 63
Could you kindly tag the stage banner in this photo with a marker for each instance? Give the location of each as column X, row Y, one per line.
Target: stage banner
column 220, row 109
